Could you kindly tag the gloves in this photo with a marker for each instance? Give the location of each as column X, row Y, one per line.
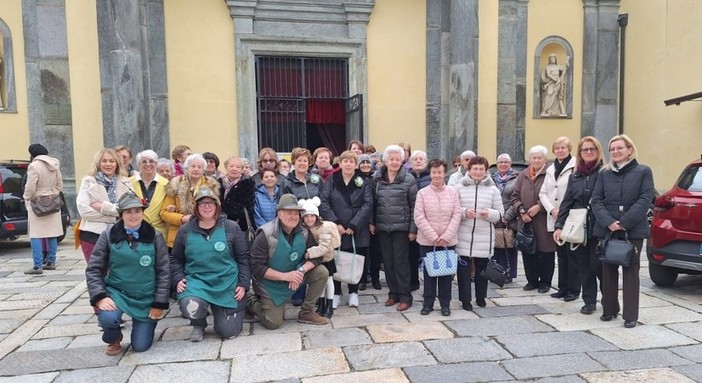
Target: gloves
column 156, row 314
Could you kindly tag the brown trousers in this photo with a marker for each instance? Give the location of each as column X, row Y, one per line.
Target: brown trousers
column 630, row 286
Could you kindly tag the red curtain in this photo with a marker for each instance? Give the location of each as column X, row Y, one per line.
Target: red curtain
column 326, row 111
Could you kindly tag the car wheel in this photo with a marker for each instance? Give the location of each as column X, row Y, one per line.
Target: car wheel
column 661, row 275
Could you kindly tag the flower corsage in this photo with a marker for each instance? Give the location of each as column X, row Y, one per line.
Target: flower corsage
column 314, row 178
column 358, row 181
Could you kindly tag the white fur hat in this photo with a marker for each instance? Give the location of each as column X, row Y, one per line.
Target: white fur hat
column 311, row 206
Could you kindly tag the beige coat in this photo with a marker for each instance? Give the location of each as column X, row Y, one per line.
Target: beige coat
column 91, row 191
column 43, row 178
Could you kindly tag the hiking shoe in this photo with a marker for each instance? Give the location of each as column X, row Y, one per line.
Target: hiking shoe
column 115, row 347
column 311, row 317
column 34, row 271
column 49, row 266
column 198, row 334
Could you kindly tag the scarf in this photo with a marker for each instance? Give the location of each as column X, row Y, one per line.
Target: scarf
column 560, row 165
column 617, row 167
column 133, row 232
column 533, row 173
column 110, row 185
column 501, row 180
column 228, row 184
column 586, row 168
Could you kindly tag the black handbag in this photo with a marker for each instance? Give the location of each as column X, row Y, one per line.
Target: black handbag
column 495, row 273
column 617, row 251
column 525, row 240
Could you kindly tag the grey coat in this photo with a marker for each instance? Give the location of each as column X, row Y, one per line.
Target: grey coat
column 348, row 205
column 623, row 196
column 394, row 202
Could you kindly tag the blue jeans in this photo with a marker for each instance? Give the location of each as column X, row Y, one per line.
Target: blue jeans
column 142, row 332
column 38, row 251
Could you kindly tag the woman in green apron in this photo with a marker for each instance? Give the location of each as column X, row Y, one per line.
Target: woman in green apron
column 129, row 273
column 210, row 268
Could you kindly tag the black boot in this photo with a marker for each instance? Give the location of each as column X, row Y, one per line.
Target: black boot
column 329, row 309
column 321, row 306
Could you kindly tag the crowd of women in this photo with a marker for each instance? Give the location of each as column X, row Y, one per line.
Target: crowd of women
column 392, row 208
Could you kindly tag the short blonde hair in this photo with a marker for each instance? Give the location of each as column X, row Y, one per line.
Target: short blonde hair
column 562, row 140
column 301, row 152
column 348, row 154
column 627, row 141
column 234, row 159
column 598, row 146
column 95, row 167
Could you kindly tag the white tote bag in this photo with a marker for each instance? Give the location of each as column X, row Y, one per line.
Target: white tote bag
column 575, row 228
column 349, row 266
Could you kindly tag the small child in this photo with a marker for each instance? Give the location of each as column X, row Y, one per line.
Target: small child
column 327, row 236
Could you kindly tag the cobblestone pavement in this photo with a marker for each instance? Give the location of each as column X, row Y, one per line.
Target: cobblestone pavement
column 48, row 333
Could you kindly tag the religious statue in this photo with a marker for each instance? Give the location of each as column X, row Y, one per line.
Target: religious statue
column 553, row 87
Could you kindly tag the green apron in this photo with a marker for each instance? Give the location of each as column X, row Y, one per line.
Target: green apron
column 131, row 279
column 285, row 258
column 210, row 271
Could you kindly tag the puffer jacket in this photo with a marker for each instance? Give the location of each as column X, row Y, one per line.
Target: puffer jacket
column 394, row 201
column 476, row 236
column 181, row 194
column 303, row 190
column 348, row 205
column 328, row 238
column 553, row 190
column 437, row 214
column 264, row 207
column 623, row 196
column 577, row 196
column 511, row 214
column 422, row 178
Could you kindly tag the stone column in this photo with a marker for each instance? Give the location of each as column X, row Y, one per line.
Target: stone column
column 48, row 86
column 131, row 38
column 600, row 69
column 452, row 77
column 511, row 77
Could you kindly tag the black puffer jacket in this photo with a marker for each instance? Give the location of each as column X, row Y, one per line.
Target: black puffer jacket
column 577, row 196
column 348, row 205
column 303, row 190
column 241, row 196
column 394, row 202
column 623, row 196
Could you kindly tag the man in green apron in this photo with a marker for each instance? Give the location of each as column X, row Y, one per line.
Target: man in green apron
column 278, row 267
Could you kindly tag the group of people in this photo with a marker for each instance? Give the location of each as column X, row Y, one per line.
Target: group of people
column 206, row 236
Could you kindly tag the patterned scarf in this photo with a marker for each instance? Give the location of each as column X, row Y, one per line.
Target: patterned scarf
column 586, row 168
column 501, row 180
column 110, row 185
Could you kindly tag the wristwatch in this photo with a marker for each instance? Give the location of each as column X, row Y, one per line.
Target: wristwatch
column 301, row 269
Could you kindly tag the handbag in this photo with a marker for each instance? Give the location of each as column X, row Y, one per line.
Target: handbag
column 442, row 262
column 575, row 228
column 617, row 251
column 525, row 240
column 46, row 204
column 504, row 238
column 349, row 266
column 250, row 233
column 495, row 273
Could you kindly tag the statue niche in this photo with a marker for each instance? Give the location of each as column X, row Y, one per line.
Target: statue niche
column 553, row 87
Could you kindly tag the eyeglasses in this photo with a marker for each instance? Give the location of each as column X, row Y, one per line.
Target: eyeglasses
column 592, row 150
column 147, row 162
column 618, row 148
column 270, row 161
column 206, row 203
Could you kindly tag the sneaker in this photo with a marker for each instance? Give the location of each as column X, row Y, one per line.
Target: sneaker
column 115, row 348
column 49, row 266
column 311, row 317
column 198, row 334
column 335, row 302
column 34, row 271
column 353, row 300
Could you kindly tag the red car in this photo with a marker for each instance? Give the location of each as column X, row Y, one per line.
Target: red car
column 675, row 244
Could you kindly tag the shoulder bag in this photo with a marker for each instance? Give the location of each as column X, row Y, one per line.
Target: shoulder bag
column 504, row 237
column 250, row 232
column 46, row 204
column 525, row 240
column 496, row 273
column 617, row 251
column 575, row 228
column 442, row 262
column 349, row 265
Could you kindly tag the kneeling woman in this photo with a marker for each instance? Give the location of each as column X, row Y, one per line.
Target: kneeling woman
column 128, row 273
column 210, row 268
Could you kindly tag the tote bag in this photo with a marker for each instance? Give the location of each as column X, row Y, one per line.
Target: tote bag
column 525, row 240
column 442, row 262
column 495, row 273
column 617, row 252
column 575, row 228
column 349, row 265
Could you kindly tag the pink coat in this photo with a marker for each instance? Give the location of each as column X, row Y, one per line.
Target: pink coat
column 437, row 214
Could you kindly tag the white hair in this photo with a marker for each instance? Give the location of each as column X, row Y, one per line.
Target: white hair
column 165, row 162
column 467, row 154
column 148, row 153
column 418, row 153
column 538, row 149
column 504, row 156
column 192, row 158
column 393, row 149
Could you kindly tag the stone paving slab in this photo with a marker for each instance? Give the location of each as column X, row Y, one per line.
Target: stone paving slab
column 417, row 331
column 46, row 344
column 79, row 308
column 693, row 371
column 374, row 356
column 693, row 330
column 470, row 349
column 93, row 340
column 42, row 295
column 70, row 319
column 658, row 375
column 335, row 338
column 366, row 320
column 21, row 305
column 551, row 365
column 380, row 308
column 693, row 353
column 51, row 311
column 642, row 337
column 67, row 330
column 9, row 325
column 528, row 300
column 261, row 344
column 646, row 300
column 456, row 314
column 36, row 378
column 300, row 364
column 665, row 315
column 575, row 321
column 493, row 312
column 31, row 362
column 114, row 374
column 288, row 326
column 463, row 372
column 390, row 375
column 171, row 352
column 633, row 360
column 183, row 333
column 560, row 379
column 210, row 371
column 19, row 337
column 497, row 326
column 21, row 315
column 526, row 345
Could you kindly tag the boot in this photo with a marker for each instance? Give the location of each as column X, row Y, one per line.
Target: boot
column 329, row 310
column 321, row 306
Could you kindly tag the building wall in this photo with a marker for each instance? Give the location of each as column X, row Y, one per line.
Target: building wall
column 397, row 73
column 663, row 54
column 487, row 80
column 14, row 126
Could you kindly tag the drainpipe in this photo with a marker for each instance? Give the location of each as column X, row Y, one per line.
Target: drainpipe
column 622, row 20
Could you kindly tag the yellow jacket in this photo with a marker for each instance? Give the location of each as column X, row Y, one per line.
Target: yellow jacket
column 181, row 194
column 152, row 214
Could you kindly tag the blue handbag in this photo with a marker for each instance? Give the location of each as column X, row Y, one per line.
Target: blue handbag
column 439, row 263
